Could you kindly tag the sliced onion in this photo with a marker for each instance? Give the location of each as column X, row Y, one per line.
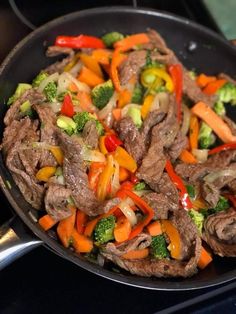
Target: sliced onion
column 51, row 78
column 186, row 120
column 92, row 155
column 219, row 174
column 80, row 85
column 200, row 154
column 63, row 83
column 56, row 107
column 128, row 212
column 61, row 180
column 102, row 114
column 142, row 192
column 160, row 101
column 42, row 145
column 125, row 110
column 76, row 68
column 115, row 182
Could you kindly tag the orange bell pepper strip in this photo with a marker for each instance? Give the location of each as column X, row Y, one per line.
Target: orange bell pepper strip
column 187, row 157
column 95, row 169
column 45, row 173
column 205, row 259
column 173, row 235
column 193, row 132
column 136, row 254
column 203, row 80
column 122, row 229
column 85, row 101
column 213, row 87
column 123, row 174
column 91, row 64
column 116, row 61
column 124, row 98
column 65, row 228
column 221, row 129
column 89, row 77
column 124, row 159
column 58, row 154
column 102, row 56
column 81, row 219
column 47, row 222
column 154, row 228
column 105, row 179
column 81, row 243
column 131, row 41
column 146, row 105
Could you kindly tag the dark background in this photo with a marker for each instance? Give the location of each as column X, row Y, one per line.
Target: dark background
column 42, row 282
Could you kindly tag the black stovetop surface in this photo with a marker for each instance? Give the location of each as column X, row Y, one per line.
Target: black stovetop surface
column 42, row 282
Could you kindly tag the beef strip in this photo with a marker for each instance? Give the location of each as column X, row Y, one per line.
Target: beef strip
column 227, row 78
column 47, row 133
column 56, row 201
column 27, row 183
column 190, row 253
column 13, row 113
column 220, row 232
column 58, row 66
column 232, row 186
column 177, row 147
column 90, row 134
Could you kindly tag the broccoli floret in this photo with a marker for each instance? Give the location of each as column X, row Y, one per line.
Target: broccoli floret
column 110, row 38
column 227, row 93
column 26, row 109
column 219, row 108
column 50, row 91
column 82, row 118
column 104, row 230
column 135, row 114
column 190, row 190
column 222, row 204
column 21, row 88
column 198, row 219
column 102, row 93
column 140, row 186
column 193, row 75
column 158, row 247
column 137, row 97
column 100, row 128
column 206, row 138
column 67, row 124
column 39, row 78
column 150, row 63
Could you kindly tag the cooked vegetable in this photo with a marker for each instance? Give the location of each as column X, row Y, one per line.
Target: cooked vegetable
column 131, row 41
column 136, row 254
column 110, row 38
column 39, row 78
column 198, row 219
column 81, row 243
column 67, row 108
column 104, row 230
column 117, row 59
column 102, row 93
column 227, row 93
column 46, row 222
column 205, row 259
column 124, row 98
column 137, row 96
column 91, row 64
column 135, row 114
column 222, row 148
column 45, row 173
column 95, row 169
column 159, row 247
column 81, row 219
column 50, row 91
column 153, row 78
column 122, row 229
column 148, row 100
column 154, row 229
column 140, row 186
column 67, row 124
column 58, row 154
column 81, row 118
column 124, row 159
column 26, row 109
column 187, row 157
column 219, row 108
column 81, row 41
column 204, row 112
column 201, row 155
column 193, row 132
column 222, row 204
column 105, row 179
column 125, row 207
column 176, row 73
column 191, row 190
column 203, row 80
column 214, row 86
column 65, row 228
column 206, row 137
column 123, row 174
column 111, row 142
column 21, row 88
column 103, row 56
column 173, row 235
column 89, row 77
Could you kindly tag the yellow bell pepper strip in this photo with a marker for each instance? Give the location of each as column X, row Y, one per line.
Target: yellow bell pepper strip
column 221, row 129
column 91, row 64
column 71, row 64
column 124, row 159
column 102, row 145
column 146, row 105
column 193, row 132
column 173, row 235
column 184, row 197
column 158, row 73
column 105, row 179
column 45, row 173
column 58, row 154
column 130, row 42
column 176, row 73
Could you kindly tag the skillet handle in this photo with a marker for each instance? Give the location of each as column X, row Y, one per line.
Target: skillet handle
column 15, row 241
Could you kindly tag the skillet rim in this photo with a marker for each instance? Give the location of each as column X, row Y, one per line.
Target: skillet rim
column 136, row 281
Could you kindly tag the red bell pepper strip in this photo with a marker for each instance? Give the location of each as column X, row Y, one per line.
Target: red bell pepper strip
column 222, row 148
column 111, row 142
column 184, row 197
column 145, row 208
column 67, row 108
column 232, row 199
column 127, row 185
column 77, row 42
column 176, row 73
column 133, row 178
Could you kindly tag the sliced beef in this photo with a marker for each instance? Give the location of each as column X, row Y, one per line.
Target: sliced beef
column 227, row 78
column 220, row 232
column 32, row 191
column 177, row 147
column 232, row 186
column 58, row 66
column 56, row 201
column 90, row 134
column 47, row 133
column 190, row 253
column 13, row 113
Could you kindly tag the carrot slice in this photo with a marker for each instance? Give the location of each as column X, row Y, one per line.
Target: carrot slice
column 202, row 80
column 65, row 228
column 136, row 254
column 81, row 243
column 193, row 132
column 90, row 227
column 89, row 77
column 204, row 112
column 85, row 101
column 117, row 59
column 116, row 114
column 81, row 219
column 213, row 87
column 122, row 229
column 205, row 259
column 124, row 98
column 187, row 157
column 154, row 228
column 47, row 222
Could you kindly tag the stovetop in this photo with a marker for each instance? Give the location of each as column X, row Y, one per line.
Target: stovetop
column 42, row 282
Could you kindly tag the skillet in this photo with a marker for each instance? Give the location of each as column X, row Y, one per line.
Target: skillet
column 197, row 47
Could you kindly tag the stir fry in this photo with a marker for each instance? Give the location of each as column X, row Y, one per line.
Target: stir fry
column 127, row 155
